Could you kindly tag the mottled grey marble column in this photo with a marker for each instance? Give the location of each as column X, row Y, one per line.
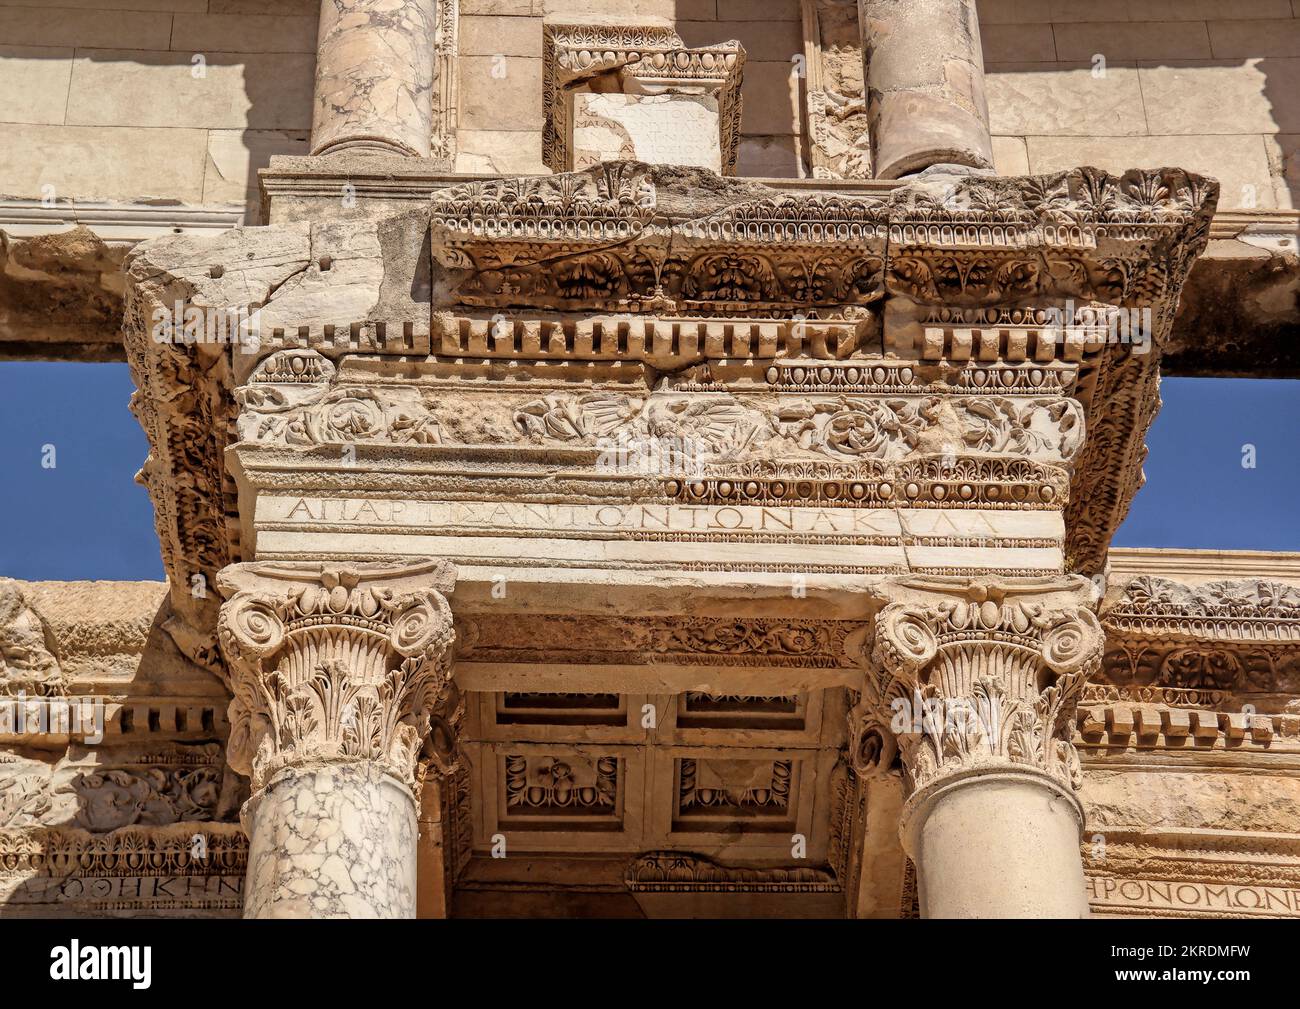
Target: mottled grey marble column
column 337, row 841
column 339, row 675
column 925, row 85
column 374, row 77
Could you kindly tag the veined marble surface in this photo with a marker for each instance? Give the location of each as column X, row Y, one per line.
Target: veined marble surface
column 374, row 76
column 336, row 841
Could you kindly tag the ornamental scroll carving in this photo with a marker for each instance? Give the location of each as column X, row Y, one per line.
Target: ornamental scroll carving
column 719, row 426
column 1238, row 635
column 977, row 677
column 339, row 664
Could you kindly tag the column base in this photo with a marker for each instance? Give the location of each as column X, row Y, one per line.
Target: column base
column 365, row 145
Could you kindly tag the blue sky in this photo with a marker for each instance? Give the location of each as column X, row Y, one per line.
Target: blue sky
column 87, row 518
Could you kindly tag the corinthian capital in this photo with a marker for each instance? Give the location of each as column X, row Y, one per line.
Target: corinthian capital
column 979, row 676
column 338, row 663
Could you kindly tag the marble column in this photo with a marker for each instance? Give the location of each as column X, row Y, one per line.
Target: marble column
column 375, row 67
column 924, row 74
column 338, row 673
column 975, row 686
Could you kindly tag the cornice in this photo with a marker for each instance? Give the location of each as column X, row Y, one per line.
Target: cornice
column 1240, row 635
column 1196, row 565
column 116, row 222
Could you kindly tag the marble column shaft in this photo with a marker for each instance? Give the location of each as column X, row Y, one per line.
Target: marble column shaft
column 924, row 73
column 338, row 674
column 336, row 841
column 375, row 69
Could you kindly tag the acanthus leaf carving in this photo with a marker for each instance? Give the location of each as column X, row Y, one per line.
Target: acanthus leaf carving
column 339, row 664
column 978, row 678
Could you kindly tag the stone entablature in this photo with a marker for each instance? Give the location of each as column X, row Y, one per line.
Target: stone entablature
column 1003, row 258
column 1230, row 635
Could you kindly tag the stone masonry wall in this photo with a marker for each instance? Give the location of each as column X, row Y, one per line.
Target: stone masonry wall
column 171, row 99
column 1209, row 85
column 185, row 99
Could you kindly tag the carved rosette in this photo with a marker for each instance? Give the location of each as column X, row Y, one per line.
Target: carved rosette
column 339, row 664
column 980, row 677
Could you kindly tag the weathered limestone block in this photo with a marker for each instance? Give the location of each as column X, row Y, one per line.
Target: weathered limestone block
column 60, row 295
column 659, row 129
column 1186, row 799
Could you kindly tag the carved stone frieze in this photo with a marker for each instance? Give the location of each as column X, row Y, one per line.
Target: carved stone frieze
column 630, row 237
column 340, row 416
column 552, row 785
column 758, row 788
column 109, row 787
column 837, row 139
column 27, row 649
column 684, row 640
column 694, row 268
column 285, row 408
column 190, row 869
column 1226, row 635
column 684, row 872
column 339, row 664
column 446, row 36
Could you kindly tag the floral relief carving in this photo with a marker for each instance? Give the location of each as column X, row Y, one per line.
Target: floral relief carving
column 721, row 425
column 987, row 677
column 742, row 637
column 1023, row 427
column 858, row 428
column 342, row 416
column 711, row 785
column 553, row 784
column 24, row 793
column 1201, row 668
column 338, row 664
